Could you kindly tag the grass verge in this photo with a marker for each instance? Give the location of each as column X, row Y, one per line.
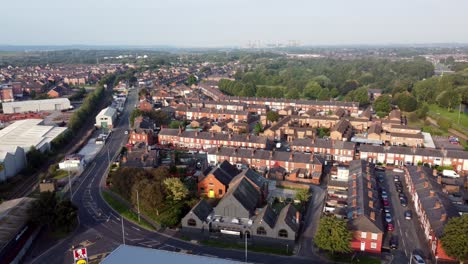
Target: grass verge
column 126, row 212
column 261, row 249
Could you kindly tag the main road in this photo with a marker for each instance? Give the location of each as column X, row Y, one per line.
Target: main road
column 100, row 227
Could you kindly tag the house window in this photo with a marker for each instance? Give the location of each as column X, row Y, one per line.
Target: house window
column 220, row 191
column 373, row 245
column 261, row 231
column 363, row 234
column 191, row 222
column 283, row 233
column 202, row 189
column 374, row 236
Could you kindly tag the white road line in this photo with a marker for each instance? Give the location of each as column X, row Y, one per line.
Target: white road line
column 115, row 221
column 136, row 228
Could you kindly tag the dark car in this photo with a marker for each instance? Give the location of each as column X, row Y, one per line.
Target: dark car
column 408, row 214
column 403, row 202
column 396, row 178
column 399, row 189
column 393, row 242
column 379, row 168
column 401, row 195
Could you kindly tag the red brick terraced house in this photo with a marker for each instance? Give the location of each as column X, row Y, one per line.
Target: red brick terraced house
column 214, row 182
column 263, row 160
column 458, row 159
column 432, row 206
column 206, row 140
column 364, row 217
column 332, row 150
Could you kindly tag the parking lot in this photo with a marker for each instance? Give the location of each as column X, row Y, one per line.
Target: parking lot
column 404, row 237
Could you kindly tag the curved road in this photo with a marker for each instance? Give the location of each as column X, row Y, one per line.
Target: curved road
column 101, row 227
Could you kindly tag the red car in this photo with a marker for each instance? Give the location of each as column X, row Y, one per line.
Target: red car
column 386, row 203
column 390, row 227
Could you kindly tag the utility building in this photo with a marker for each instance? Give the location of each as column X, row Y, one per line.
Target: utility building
column 57, row 104
column 106, row 118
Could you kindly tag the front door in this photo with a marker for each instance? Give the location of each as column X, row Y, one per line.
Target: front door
column 363, row 246
column 211, row 194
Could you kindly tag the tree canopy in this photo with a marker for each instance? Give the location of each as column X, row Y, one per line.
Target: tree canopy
column 455, row 238
column 383, row 105
column 272, row 116
column 333, row 235
column 176, row 189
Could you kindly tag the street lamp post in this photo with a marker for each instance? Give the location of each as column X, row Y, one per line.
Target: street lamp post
column 123, row 230
column 245, row 247
column 138, row 206
column 69, row 183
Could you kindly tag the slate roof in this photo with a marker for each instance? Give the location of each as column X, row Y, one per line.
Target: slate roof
column 323, row 143
column 224, row 173
column 169, row 132
column 202, row 209
column 255, row 177
column 424, row 184
column 261, row 154
column 360, row 214
column 245, row 193
column 288, row 215
column 268, row 216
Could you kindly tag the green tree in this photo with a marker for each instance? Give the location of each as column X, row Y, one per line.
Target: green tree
column 191, row 79
column 359, row 95
column 66, row 215
column 424, row 90
column 293, row 93
column 323, row 80
column 272, row 116
column 303, row 195
column 333, row 235
column 449, row 99
column 258, row 128
column 382, row 105
column 175, row 124
column 422, row 111
column 43, row 209
column 455, row 238
column 176, row 189
column 312, row 90
column 406, row 102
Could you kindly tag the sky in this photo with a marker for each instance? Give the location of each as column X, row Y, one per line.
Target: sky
column 215, row 23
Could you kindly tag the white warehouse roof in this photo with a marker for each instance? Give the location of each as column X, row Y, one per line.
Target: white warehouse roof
column 38, row 102
column 128, row 254
column 27, row 133
column 108, row 111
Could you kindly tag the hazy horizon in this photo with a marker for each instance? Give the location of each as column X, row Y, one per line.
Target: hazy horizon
column 210, row 23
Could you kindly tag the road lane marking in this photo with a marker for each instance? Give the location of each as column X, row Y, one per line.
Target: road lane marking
column 136, row 228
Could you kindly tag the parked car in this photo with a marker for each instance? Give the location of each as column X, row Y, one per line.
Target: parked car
column 386, row 203
column 384, row 195
column 401, row 195
column 399, row 189
column 403, row 202
column 396, row 178
column 397, row 170
column 387, row 209
column 418, row 259
column 379, row 168
column 388, row 217
column 408, row 214
column 393, row 242
column 390, row 227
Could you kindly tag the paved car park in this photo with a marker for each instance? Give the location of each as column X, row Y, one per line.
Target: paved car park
column 405, row 236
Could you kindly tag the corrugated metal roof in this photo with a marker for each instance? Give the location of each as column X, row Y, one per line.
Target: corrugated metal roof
column 125, row 254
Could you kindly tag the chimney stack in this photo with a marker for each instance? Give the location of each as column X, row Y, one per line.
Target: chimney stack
column 370, row 193
column 419, row 168
column 369, row 185
column 439, row 179
column 426, row 184
column 434, row 172
column 422, row 175
column 291, row 156
column 443, row 217
column 437, row 205
column 431, row 193
column 298, row 217
column 372, row 216
column 371, row 204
